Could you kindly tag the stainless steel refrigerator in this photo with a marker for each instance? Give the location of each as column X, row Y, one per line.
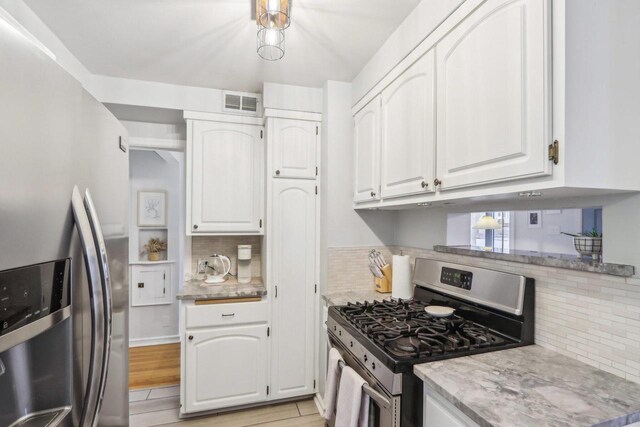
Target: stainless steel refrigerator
column 64, row 282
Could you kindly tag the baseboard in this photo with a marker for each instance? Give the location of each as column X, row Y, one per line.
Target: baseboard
column 319, row 401
column 141, row 342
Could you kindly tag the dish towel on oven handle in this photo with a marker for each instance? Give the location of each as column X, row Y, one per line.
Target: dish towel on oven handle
column 353, row 404
column 331, row 387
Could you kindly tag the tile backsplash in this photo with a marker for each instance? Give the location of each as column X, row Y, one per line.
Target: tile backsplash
column 590, row 317
column 205, row 246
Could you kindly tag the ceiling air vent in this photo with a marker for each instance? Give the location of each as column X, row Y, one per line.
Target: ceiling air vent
column 241, row 103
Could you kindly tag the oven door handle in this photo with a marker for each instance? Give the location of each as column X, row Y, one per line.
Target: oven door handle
column 369, row 391
column 379, row 398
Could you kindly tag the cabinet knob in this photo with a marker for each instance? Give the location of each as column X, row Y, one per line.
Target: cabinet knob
column 190, row 337
column 437, row 182
column 424, row 184
column 278, row 172
column 195, row 226
column 373, row 194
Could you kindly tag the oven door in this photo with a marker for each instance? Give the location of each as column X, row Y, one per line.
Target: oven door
column 384, row 409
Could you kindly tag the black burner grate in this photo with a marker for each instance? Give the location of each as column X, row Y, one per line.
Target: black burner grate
column 405, row 330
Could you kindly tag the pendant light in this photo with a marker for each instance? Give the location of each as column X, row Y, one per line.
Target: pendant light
column 270, row 44
column 487, row 222
column 273, row 14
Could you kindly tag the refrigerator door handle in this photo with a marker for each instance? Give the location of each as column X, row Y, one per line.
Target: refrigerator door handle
column 91, row 404
column 105, row 285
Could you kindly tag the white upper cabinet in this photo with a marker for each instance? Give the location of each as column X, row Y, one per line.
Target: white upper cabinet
column 293, row 265
column 295, row 146
column 408, row 131
column 367, row 153
column 224, row 178
column 493, row 95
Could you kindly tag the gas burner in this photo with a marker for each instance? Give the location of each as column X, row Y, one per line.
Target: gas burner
column 404, row 329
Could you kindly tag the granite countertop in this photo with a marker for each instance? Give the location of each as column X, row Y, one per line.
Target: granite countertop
column 342, row 297
column 570, row 262
column 533, row 386
column 197, row 289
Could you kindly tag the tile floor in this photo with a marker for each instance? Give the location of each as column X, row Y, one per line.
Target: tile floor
column 159, row 407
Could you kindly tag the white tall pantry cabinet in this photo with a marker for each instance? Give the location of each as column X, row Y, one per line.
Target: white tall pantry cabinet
column 292, row 248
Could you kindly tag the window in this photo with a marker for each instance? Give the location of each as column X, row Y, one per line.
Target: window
column 498, row 239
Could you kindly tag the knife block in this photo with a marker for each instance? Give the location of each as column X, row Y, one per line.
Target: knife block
column 383, row 284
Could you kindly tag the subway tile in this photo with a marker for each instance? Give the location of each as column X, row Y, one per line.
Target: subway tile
column 582, row 315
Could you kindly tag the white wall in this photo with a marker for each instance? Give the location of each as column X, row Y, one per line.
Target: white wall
column 427, row 15
column 421, row 228
column 151, row 171
column 458, row 229
column 544, row 239
column 19, row 11
column 153, row 94
column 344, row 225
column 295, row 98
column 156, row 130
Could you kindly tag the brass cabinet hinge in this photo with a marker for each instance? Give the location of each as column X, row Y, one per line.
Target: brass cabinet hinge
column 316, row 130
column 260, row 223
column 268, row 332
column 316, row 189
column 267, row 390
column 315, row 288
column 554, row 152
column 316, row 171
column 260, row 134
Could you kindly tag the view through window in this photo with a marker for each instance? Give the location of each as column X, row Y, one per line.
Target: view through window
column 499, row 238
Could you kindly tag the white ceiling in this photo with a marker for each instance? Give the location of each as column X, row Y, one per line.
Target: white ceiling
column 212, row 43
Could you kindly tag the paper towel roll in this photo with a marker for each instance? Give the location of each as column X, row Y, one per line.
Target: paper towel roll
column 401, row 286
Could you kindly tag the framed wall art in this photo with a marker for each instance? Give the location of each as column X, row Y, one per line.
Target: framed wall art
column 152, row 208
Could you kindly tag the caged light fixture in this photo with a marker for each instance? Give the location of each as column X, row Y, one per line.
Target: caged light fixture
column 272, row 18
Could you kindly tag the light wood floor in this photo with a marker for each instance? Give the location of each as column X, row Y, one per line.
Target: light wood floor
column 154, row 366
column 159, row 407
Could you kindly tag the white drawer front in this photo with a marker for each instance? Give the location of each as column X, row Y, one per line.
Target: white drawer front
column 198, row 316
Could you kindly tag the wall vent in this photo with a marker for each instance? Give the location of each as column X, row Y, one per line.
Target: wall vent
column 241, row 103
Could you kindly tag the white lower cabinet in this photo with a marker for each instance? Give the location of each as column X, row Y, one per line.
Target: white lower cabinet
column 225, row 360
column 440, row 413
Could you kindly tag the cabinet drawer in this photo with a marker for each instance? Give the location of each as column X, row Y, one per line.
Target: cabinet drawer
column 198, row 316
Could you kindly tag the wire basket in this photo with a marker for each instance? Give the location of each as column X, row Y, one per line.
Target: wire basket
column 588, row 246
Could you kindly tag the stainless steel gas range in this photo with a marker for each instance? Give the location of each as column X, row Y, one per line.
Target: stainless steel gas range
column 382, row 340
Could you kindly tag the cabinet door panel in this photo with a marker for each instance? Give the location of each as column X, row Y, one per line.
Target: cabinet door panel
column 367, row 153
column 294, row 262
column 151, row 285
column 492, row 94
column 226, row 191
column 225, row 367
column 294, row 148
column 408, row 131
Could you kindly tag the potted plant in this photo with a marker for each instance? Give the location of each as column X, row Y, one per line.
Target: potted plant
column 588, row 243
column 153, row 248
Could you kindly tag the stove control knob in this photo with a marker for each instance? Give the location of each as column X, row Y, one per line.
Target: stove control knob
column 351, row 343
column 365, row 358
column 340, row 332
column 373, row 365
column 335, row 327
